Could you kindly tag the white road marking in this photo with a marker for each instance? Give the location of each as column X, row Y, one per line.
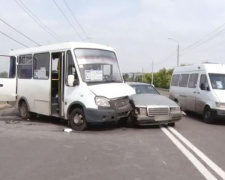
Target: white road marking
column 202, row 169
column 208, row 161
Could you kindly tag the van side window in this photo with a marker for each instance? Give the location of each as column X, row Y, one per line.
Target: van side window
column 193, row 81
column 70, row 66
column 41, row 65
column 183, row 80
column 25, row 66
column 175, row 80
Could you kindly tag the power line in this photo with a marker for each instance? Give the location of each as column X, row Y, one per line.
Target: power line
column 67, row 19
column 38, row 21
column 76, row 19
column 13, row 39
column 19, row 32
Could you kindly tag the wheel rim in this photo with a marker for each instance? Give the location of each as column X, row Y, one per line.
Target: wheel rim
column 207, row 114
column 78, row 119
column 23, row 111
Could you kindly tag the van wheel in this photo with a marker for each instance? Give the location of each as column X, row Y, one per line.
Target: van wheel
column 207, row 115
column 23, row 110
column 77, row 120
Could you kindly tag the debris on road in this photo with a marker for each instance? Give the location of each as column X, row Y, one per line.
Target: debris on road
column 68, row 130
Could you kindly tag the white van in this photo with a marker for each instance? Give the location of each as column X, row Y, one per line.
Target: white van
column 201, row 89
column 80, row 82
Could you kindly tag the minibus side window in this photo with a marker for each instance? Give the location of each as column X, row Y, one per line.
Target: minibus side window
column 193, row 81
column 8, row 66
column 70, row 67
column 25, row 66
column 183, row 80
column 175, row 80
column 204, row 85
column 41, row 65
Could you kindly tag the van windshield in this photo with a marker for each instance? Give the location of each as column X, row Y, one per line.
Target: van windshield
column 217, row 81
column 98, row 66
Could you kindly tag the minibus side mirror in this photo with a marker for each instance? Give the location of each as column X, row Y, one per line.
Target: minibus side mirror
column 202, row 86
column 70, row 80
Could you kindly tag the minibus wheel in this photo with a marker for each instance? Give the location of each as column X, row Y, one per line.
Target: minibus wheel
column 77, row 120
column 207, row 115
column 23, row 110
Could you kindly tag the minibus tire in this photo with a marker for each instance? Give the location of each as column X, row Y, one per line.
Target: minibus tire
column 207, row 115
column 80, row 123
column 23, row 110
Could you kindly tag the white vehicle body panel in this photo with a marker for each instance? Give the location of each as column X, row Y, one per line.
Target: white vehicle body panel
column 195, row 99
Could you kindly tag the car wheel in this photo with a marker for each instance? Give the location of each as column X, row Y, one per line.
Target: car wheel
column 23, row 110
column 134, row 122
column 208, row 115
column 171, row 124
column 77, row 120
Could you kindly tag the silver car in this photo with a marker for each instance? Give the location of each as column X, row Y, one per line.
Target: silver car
column 151, row 108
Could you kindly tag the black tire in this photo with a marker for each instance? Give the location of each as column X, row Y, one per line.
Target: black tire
column 122, row 121
column 208, row 115
column 134, row 122
column 77, row 120
column 23, row 110
column 171, row 124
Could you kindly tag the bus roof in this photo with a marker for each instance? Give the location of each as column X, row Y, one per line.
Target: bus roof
column 210, row 68
column 59, row 47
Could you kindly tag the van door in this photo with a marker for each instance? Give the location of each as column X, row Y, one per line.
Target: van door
column 203, row 93
column 8, row 78
column 191, row 92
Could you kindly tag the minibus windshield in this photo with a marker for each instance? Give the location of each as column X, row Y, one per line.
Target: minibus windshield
column 217, row 81
column 98, row 66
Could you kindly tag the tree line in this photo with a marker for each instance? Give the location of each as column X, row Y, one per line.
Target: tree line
column 3, row 74
column 161, row 79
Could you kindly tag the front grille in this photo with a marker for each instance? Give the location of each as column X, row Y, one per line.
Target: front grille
column 153, row 111
column 120, row 102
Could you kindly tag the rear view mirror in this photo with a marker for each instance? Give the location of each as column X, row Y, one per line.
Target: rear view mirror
column 70, row 80
column 202, row 86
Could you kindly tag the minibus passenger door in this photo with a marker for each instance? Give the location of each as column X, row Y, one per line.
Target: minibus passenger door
column 202, row 93
column 8, row 78
column 191, row 92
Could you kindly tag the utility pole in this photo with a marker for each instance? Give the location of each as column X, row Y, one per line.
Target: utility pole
column 152, row 74
column 178, row 54
column 142, row 75
column 178, row 50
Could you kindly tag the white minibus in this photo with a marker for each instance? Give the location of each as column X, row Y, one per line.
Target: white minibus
column 79, row 82
column 201, row 89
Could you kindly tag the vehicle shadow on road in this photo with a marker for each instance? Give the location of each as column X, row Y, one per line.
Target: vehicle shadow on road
column 199, row 118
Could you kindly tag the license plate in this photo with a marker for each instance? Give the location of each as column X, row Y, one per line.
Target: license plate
column 162, row 118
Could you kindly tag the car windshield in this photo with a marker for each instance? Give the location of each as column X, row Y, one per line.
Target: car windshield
column 98, row 66
column 217, row 81
column 144, row 89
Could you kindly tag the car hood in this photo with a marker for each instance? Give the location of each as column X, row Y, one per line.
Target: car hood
column 151, row 99
column 112, row 90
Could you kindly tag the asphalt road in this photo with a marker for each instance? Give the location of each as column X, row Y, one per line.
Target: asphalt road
column 40, row 149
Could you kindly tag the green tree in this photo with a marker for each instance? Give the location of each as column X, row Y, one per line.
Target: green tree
column 3, row 74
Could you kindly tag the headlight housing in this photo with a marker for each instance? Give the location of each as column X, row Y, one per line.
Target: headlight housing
column 175, row 109
column 141, row 110
column 102, row 101
column 220, row 105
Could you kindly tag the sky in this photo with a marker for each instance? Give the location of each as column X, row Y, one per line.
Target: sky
column 138, row 30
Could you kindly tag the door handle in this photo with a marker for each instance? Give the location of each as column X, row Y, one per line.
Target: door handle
column 1, row 85
column 194, row 92
column 198, row 92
